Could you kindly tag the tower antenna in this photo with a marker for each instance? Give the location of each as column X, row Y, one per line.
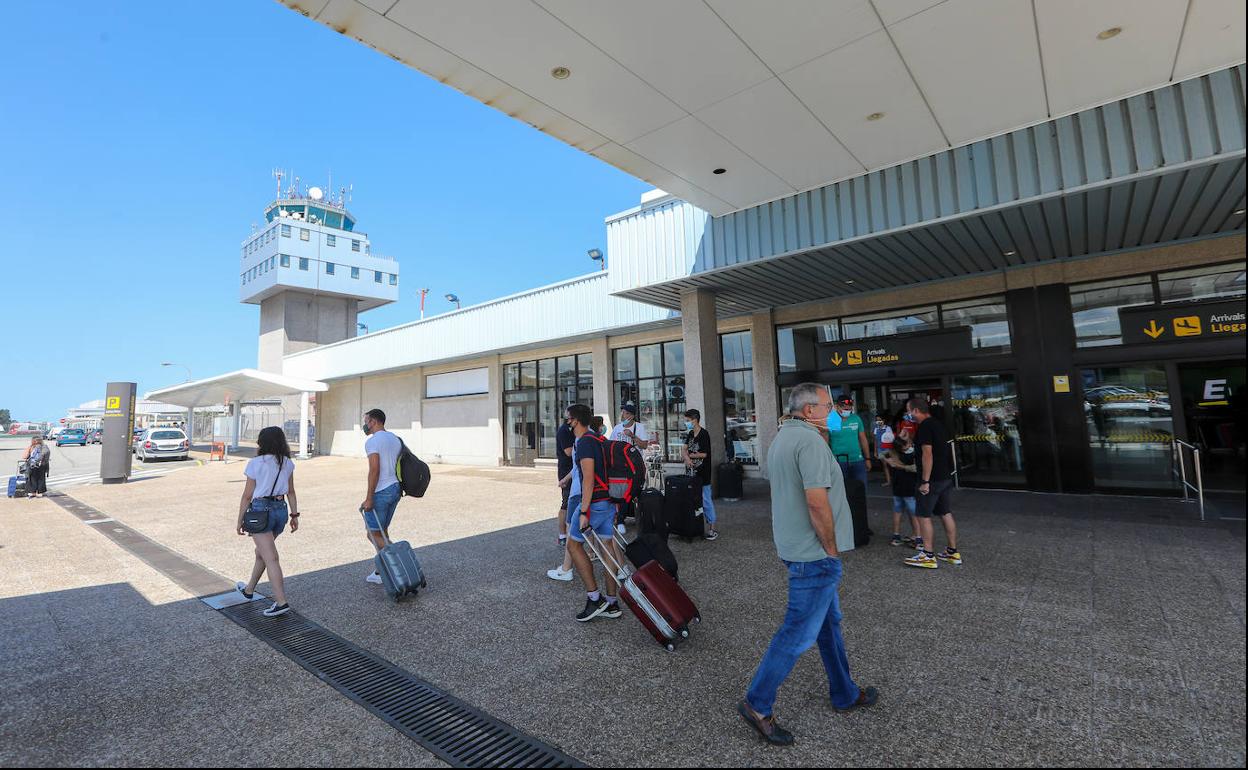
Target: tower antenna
column 277, row 174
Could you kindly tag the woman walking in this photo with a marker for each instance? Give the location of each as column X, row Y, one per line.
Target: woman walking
column 270, row 490
column 38, row 458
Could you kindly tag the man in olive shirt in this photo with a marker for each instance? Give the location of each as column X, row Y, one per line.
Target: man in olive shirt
column 806, row 487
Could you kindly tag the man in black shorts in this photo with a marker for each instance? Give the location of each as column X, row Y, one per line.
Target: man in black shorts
column 934, row 494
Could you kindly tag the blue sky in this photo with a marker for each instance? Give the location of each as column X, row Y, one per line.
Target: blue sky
column 138, row 140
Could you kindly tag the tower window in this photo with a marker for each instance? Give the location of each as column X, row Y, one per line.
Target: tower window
column 355, row 272
column 376, row 276
column 329, row 268
column 304, row 234
column 303, row 263
column 355, row 245
column 285, row 231
column 394, row 280
column 285, row 260
column 331, row 240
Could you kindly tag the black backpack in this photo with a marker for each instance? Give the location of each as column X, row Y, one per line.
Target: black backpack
column 412, row 471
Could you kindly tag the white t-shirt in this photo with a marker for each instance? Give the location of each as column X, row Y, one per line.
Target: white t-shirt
column 639, row 429
column 264, row 470
column 387, row 446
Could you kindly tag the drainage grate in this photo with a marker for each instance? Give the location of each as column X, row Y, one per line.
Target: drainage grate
column 449, row 728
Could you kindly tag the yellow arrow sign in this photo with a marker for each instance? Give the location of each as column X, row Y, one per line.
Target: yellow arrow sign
column 1154, row 330
column 836, row 359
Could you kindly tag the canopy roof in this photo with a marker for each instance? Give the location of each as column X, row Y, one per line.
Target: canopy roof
column 235, row 387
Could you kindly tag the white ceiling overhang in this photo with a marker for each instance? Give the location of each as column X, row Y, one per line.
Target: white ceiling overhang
column 779, row 94
column 235, row 387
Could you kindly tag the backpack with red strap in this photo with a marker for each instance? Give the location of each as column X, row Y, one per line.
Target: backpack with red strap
column 624, row 474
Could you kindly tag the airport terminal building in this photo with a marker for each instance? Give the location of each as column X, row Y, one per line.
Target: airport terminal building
column 1049, row 247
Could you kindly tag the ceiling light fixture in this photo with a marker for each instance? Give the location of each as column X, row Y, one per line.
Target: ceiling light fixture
column 560, row 73
column 719, row 171
column 1239, row 213
column 850, row 282
column 1009, row 253
column 875, row 116
column 1112, row 32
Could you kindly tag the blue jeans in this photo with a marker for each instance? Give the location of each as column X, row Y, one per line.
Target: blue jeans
column 279, row 514
column 708, row 506
column 384, row 504
column 854, row 470
column 814, row 615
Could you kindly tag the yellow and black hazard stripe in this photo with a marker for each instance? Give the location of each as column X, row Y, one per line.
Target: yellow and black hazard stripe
column 1140, row 437
column 979, row 437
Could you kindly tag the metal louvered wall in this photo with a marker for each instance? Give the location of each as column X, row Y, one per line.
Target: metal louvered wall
column 1200, row 121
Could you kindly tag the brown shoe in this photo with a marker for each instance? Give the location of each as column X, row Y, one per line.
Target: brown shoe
column 766, row 726
column 866, row 697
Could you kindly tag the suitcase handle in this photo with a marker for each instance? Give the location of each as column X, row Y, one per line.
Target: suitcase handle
column 600, row 550
column 385, row 538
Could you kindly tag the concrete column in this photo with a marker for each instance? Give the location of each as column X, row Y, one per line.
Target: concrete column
column 496, row 409
column 603, row 375
column 704, row 366
column 303, row 427
column 236, row 426
column 766, row 391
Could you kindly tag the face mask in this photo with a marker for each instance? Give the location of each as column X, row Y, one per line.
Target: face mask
column 845, row 412
column 627, row 422
column 368, row 431
column 688, row 425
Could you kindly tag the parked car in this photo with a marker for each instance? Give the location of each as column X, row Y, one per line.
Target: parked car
column 135, row 438
column 162, row 442
column 96, row 436
column 71, row 436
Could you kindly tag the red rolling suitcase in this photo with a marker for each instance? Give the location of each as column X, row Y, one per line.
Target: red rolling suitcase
column 655, row 598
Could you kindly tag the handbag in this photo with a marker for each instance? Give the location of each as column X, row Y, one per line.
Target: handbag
column 256, row 519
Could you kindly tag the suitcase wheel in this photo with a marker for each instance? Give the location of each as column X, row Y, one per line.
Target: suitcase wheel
column 684, row 633
column 697, row 618
column 424, row 583
column 670, row 647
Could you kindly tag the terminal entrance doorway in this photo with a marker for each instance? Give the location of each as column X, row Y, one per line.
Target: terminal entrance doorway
column 980, row 410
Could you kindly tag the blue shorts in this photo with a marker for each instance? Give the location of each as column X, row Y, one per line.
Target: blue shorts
column 903, row 505
column 384, row 504
column 279, row 515
column 601, row 519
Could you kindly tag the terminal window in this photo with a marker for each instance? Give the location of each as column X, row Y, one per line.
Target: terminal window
column 536, row 394
column 1095, row 308
column 740, row 425
column 355, row 272
column 1202, row 283
column 653, row 377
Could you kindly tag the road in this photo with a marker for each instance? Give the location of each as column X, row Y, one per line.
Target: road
column 73, row 465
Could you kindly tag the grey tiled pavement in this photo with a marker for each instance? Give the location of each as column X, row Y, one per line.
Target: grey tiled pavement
column 1081, row 631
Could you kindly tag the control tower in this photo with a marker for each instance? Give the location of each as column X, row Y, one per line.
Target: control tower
column 312, row 273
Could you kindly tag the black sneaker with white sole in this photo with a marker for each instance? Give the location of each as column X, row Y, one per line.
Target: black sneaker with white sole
column 276, row 610
column 592, row 610
column 239, row 586
column 612, row 611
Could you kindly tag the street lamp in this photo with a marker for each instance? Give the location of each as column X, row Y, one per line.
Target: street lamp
column 596, row 255
column 453, row 298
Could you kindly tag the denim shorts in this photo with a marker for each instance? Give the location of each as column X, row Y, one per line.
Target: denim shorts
column 903, row 505
column 601, row 519
column 279, row 514
column 384, row 504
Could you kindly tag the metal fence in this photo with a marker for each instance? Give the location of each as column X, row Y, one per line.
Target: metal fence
column 1183, row 450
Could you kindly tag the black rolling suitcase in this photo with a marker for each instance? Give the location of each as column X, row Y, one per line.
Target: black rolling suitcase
column 650, row 517
column 731, row 478
column 682, row 506
column 856, row 494
column 650, row 547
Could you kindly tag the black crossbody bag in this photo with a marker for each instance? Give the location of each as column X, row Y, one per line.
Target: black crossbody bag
column 256, row 520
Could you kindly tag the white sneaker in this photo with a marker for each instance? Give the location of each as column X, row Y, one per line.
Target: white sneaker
column 558, row 574
column 373, row 578
column 620, row 528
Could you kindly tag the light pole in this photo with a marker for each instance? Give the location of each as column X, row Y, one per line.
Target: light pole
column 423, row 294
column 453, row 298
column 190, row 412
column 596, row 255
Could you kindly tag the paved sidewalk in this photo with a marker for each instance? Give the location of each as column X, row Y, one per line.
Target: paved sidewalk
column 1081, row 631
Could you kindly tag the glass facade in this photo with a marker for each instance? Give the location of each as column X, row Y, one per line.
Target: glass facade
column 535, row 396
column 985, row 429
column 988, row 319
column 1216, row 282
column 1129, row 425
column 740, row 425
column 922, row 319
column 653, row 377
column 1095, row 308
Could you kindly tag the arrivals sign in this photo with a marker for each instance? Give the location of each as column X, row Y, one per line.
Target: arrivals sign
column 1186, row 321
column 896, row 351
